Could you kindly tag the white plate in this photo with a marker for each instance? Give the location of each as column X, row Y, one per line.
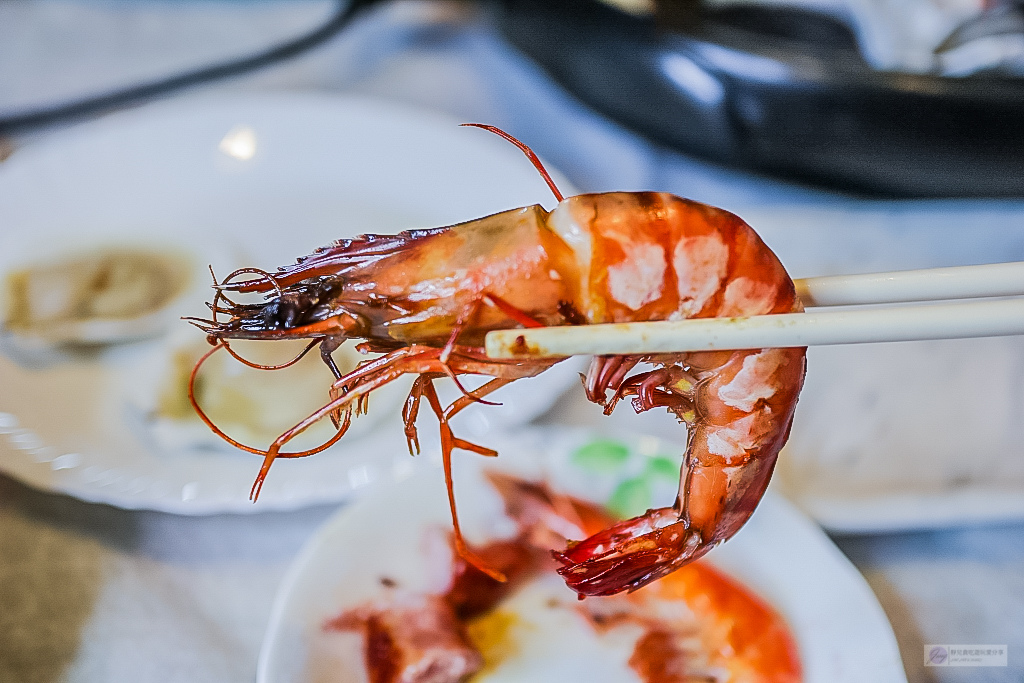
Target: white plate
column 257, row 180
column 840, row 629
column 910, row 435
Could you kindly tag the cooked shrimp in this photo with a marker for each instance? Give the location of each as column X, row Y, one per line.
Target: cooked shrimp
column 742, row 638
column 695, row 625
column 426, row 298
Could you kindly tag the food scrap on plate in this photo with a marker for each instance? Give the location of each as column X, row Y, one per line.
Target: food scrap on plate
column 695, row 625
column 251, row 404
column 100, row 296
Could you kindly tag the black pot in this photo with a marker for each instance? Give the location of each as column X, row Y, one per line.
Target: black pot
column 741, row 87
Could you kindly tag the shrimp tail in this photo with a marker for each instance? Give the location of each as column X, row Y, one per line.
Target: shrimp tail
column 630, row 554
column 730, row 457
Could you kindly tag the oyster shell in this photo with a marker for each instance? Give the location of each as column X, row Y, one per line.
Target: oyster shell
column 102, row 296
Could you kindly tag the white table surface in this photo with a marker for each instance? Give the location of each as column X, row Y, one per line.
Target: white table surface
column 93, row 593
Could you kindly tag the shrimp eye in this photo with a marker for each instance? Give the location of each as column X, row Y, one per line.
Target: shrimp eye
column 284, row 312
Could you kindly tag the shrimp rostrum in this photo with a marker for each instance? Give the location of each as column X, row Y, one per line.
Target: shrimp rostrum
column 425, row 299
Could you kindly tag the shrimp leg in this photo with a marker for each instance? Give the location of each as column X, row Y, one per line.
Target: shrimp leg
column 427, row 363
column 449, row 442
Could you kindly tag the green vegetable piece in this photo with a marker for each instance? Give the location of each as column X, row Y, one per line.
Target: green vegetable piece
column 631, row 498
column 662, row 467
column 604, row 456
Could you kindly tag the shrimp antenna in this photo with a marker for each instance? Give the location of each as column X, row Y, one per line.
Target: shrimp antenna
column 526, row 150
column 254, row 493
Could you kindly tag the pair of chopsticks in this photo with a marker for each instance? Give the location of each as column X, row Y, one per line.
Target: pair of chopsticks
column 827, row 323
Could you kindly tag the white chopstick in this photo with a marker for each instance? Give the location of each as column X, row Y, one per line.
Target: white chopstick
column 908, row 322
column 931, row 284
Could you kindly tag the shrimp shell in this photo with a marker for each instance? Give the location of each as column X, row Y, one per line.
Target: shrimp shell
column 426, row 299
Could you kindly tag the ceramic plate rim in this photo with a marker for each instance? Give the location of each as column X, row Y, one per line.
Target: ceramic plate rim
column 877, row 645
column 30, row 460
